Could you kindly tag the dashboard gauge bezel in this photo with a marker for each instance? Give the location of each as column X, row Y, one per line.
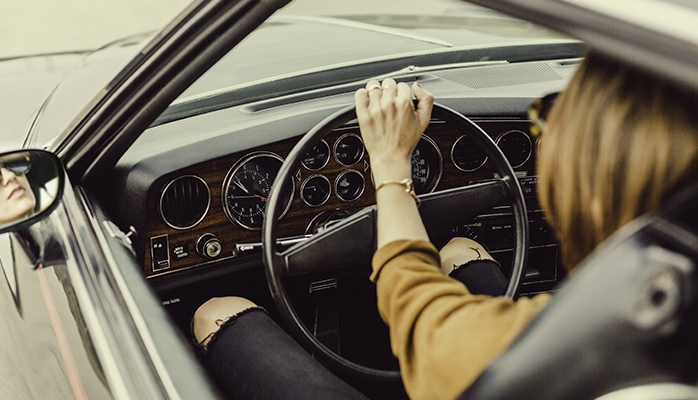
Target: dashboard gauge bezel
column 453, row 160
column 162, row 195
column 433, row 182
column 345, row 172
column 327, row 159
column 329, row 192
column 530, row 142
column 227, row 182
column 336, row 143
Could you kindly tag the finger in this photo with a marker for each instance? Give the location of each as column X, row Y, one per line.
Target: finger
column 404, row 92
column 372, row 84
column 373, row 87
column 361, row 101
column 389, row 88
column 425, row 103
column 374, row 94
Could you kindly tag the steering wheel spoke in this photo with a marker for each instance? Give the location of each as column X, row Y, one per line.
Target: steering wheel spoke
column 470, row 201
column 349, row 242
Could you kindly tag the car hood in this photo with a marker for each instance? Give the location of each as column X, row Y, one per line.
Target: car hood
column 311, row 43
column 292, row 45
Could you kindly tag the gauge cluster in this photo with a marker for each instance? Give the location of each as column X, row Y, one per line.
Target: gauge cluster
column 333, row 178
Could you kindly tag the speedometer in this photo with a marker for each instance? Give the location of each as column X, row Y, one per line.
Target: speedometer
column 247, row 186
column 427, row 165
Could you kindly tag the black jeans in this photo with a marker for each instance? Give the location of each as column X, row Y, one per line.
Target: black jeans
column 252, row 358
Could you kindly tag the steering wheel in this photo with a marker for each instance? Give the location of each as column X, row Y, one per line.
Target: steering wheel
column 352, row 241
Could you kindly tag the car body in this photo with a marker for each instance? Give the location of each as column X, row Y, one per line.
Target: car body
column 151, row 222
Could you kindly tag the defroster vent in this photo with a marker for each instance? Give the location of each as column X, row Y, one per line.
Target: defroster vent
column 185, row 201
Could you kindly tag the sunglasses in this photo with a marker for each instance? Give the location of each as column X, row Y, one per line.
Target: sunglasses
column 18, row 166
column 538, row 113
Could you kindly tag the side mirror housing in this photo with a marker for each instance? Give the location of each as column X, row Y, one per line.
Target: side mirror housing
column 31, row 184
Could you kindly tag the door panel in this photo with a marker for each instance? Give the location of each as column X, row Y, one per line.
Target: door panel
column 45, row 347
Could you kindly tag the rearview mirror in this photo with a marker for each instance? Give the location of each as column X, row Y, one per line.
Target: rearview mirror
column 31, row 182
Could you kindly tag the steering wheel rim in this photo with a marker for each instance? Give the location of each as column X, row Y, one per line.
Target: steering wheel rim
column 276, row 264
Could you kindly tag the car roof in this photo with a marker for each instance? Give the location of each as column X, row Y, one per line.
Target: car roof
column 659, row 36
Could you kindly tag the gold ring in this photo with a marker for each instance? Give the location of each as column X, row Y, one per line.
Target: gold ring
column 374, row 86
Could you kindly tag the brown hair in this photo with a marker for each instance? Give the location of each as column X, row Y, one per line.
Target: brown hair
column 619, row 142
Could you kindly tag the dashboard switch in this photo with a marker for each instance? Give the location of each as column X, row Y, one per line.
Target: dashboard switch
column 208, row 246
column 160, row 253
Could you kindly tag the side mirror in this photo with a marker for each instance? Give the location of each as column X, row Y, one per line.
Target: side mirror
column 31, row 182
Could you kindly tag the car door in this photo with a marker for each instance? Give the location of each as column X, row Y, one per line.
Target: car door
column 103, row 330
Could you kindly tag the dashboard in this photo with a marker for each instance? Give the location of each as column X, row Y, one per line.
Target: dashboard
column 194, row 190
column 212, row 212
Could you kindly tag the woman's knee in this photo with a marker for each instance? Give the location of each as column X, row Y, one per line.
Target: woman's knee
column 459, row 251
column 209, row 317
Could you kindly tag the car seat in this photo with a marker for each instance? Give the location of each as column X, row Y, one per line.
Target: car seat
column 625, row 324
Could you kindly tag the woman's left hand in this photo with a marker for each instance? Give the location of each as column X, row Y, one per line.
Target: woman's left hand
column 391, row 126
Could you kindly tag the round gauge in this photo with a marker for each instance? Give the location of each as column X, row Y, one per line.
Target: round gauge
column 316, row 190
column 516, row 146
column 317, row 157
column 247, row 186
column 466, row 154
column 349, row 185
column 348, row 149
column 427, row 165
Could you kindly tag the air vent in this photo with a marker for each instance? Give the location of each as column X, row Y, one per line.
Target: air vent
column 184, row 202
column 516, row 146
column 500, row 75
column 466, row 154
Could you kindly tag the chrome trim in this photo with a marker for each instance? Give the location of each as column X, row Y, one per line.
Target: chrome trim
column 334, row 149
column 162, row 194
column 363, row 186
column 329, row 193
column 329, row 151
column 453, row 147
column 441, row 161
column 231, row 172
column 530, row 150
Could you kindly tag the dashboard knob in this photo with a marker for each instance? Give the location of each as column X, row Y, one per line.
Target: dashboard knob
column 208, row 246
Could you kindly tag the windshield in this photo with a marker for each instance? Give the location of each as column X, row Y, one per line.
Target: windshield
column 309, row 36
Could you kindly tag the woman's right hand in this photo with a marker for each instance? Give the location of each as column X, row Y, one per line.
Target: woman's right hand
column 391, row 126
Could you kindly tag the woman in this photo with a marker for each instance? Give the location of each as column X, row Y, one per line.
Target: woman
column 617, row 145
column 16, row 197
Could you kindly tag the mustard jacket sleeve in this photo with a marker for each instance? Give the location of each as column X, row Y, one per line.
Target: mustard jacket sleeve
column 442, row 335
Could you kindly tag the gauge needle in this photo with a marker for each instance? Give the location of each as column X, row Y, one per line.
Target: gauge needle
column 242, row 187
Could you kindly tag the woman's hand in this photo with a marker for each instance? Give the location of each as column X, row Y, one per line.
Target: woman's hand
column 391, row 126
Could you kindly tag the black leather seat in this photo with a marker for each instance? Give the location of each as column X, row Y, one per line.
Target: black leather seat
column 627, row 318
